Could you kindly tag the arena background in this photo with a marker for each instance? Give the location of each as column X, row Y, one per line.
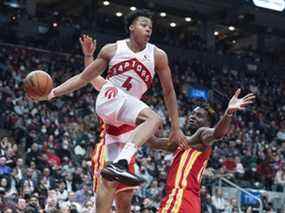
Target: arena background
column 214, row 47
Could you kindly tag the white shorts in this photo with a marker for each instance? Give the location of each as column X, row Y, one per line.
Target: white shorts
column 115, row 107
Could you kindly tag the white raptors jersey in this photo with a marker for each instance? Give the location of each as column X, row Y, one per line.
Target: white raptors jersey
column 130, row 71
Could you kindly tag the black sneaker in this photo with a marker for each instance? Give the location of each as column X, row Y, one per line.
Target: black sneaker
column 119, row 172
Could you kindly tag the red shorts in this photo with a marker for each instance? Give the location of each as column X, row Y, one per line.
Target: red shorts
column 121, row 187
column 180, row 201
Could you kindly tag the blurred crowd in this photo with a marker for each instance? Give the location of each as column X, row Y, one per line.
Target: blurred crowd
column 45, row 147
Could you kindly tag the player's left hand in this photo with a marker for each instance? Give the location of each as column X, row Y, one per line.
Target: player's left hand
column 237, row 103
column 88, row 45
column 178, row 137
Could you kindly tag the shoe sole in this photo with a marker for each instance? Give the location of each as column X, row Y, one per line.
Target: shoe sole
column 110, row 175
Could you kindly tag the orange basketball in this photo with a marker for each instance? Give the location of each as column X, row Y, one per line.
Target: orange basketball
column 38, row 84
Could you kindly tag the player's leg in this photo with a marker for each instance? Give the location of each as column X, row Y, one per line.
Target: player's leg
column 148, row 123
column 119, row 169
column 116, row 108
column 105, row 196
column 124, row 193
column 123, row 201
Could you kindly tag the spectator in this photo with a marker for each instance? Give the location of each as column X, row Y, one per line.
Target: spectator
column 28, row 183
column 19, row 169
column 219, row 201
column 281, row 133
column 233, row 207
column 33, row 205
column 62, row 193
column 21, row 205
column 71, row 202
column 206, row 201
column 48, row 180
column 83, row 194
column 4, row 170
column 280, row 179
column 239, row 170
column 33, row 155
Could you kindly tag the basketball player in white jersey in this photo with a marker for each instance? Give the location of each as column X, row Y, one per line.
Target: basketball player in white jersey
column 114, row 140
column 131, row 67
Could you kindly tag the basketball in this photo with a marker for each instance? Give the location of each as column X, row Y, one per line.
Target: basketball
column 38, row 84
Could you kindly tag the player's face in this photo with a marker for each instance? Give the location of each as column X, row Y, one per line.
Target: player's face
column 198, row 118
column 141, row 29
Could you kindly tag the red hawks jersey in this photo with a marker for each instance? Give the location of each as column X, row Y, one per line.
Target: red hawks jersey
column 130, row 71
column 186, row 170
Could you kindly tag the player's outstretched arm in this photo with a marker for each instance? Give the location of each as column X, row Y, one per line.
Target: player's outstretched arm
column 89, row 73
column 88, row 45
column 209, row 135
column 164, row 73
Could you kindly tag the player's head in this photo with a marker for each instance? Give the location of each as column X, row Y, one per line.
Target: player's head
column 201, row 116
column 139, row 25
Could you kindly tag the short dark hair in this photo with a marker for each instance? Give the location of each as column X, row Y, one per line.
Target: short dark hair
column 211, row 112
column 132, row 16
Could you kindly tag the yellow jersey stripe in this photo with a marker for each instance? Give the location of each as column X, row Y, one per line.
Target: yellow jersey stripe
column 189, row 166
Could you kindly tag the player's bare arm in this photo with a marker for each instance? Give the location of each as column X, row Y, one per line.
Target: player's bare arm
column 88, row 45
column 209, row 135
column 161, row 144
column 89, row 73
column 164, row 74
column 206, row 135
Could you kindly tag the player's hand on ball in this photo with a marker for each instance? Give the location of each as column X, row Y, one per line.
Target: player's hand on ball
column 42, row 98
column 178, row 137
column 38, row 85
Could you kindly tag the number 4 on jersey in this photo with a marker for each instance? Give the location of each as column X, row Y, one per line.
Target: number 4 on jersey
column 127, row 84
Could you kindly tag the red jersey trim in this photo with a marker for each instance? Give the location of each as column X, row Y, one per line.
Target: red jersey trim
column 116, row 131
column 98, row 158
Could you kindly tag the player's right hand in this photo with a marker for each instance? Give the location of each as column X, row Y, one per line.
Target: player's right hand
column 48, row 97
column 178, row 137
column 88, row 45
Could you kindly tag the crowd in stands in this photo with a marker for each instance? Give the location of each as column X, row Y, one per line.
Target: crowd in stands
column 45, row 147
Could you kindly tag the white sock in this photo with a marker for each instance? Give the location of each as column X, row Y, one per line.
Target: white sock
column 127, row 152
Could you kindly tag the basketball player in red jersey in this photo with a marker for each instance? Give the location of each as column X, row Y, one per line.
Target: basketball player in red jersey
column 185, row 173
column 111, row 143
column 131, row 63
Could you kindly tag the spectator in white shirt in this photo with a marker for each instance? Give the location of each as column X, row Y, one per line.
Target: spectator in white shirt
column 62, row 193
column 280, row 178
column 219, row 201
column 239, row 167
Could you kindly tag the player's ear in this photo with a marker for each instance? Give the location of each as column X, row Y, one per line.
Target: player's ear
column 131, row 27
